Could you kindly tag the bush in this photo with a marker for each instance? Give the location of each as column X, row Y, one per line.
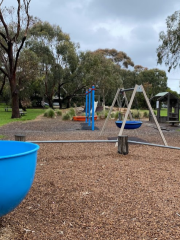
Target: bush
column 59, row 113
column 136, row 114
column 49, row 113
column 146, row 114
column 66, row 116
column 117, row 115
column 112, row 115
column 103, row 114
column 72, row 112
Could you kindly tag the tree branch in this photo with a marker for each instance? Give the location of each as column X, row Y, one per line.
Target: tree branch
column 17, row 54
column 4, row 24
column 26, row 5
column 18, row 25
column 2, row 45
column 1, row 89
column 3, row 36
column 2, row 70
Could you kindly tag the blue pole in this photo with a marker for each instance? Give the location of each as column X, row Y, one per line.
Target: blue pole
column 93, row 89
column 89, row 122
column 86, row 104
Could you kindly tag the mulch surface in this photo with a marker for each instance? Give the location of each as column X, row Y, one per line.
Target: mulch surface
column 89, row 191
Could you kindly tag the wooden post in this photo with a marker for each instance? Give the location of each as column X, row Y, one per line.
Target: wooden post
column 153, row 115
column 21, row 138
column 111, row 108
column 123, row 145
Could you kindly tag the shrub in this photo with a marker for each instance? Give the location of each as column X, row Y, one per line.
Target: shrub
column 66, row 116
column 59, row 113
column 112, row 115
column 71, row 112
column 116, row 115
column 146, row 114
column 49, row 113
column 136, row 114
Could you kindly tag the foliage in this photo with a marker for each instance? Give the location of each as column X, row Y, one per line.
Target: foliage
column 136, row 114
column 50, row 113
column 72, row 112
column 59, row 112
column 116, row 116
column 14, row 25
column 118, row 57
column 58, row 60
column 103, row 114
column 168, row 51
column 112, row 115
column 66, row 116
column 102, row 72
column 146, row 114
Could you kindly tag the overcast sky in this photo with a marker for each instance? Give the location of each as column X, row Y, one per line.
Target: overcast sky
column 132, row 26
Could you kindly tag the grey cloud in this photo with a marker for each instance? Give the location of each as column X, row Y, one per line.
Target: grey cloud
column 80, row 18
column 129, row 10
column 144, row 33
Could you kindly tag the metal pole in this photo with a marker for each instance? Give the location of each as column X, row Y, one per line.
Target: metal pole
column 126, row 90
column 86, row 103
column 111, row 108
column 153, row 115
column 104, row 141
column 93, row 89
column 89, row 121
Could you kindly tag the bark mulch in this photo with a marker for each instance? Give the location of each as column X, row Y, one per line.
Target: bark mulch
column 89, row 191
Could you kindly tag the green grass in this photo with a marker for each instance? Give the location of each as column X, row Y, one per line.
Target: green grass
column 5, row 117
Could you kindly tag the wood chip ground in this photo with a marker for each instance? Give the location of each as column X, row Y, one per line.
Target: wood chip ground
column 89, row 191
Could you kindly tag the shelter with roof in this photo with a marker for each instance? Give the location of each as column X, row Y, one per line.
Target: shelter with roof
column 172, row 104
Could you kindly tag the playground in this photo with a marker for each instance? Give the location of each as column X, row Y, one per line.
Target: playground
column 89, row 191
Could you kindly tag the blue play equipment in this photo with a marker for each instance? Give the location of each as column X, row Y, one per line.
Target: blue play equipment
column 90, row 101
column 129, row 124
column 17, row 171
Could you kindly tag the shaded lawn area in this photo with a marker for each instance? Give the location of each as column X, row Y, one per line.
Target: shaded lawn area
column 5, row 117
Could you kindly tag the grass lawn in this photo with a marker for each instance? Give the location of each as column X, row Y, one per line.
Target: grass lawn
column 5, row 117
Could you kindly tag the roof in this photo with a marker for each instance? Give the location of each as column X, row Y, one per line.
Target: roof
column 161, row 94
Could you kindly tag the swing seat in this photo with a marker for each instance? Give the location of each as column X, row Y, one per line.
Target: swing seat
column 129, row 124
column 82, row 118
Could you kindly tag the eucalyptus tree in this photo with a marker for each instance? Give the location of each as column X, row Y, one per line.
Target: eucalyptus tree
column 102, row 72
column 156, row 79
column 27, row 74
column 14, row 25
column 118, row 57
column 57, row 57
column 169, row 50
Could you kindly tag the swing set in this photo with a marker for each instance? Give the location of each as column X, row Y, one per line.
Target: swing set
column 131, row 124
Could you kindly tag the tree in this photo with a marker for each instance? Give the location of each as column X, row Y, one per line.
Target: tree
column 57, row 57
column 13, row 35
column 102, row 72
column 27, row 73
column 118, row 57
column 169, row 50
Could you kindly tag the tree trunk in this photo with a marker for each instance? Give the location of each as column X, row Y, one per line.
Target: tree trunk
column 68, row 102
column 15, row 98
column 103, row 101
column 60, row 103
column 59, row 96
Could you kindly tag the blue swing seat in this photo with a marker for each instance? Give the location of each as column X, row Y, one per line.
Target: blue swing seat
column 129, row 124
